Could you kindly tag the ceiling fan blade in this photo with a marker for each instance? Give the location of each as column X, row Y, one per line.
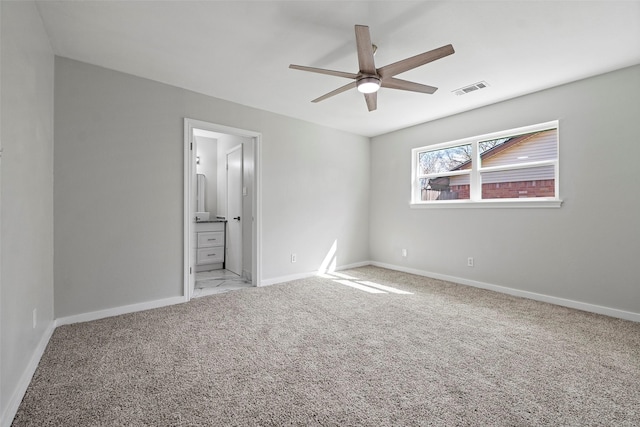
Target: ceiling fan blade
column 372, row 100
column 365, row 50
column 323, row 71
column 393, row 83
column 335, row 92
column 415, row 61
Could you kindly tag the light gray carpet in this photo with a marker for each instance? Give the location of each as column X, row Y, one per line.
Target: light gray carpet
column 316, row 352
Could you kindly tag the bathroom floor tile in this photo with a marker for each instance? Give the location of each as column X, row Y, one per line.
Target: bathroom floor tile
column 217, row 282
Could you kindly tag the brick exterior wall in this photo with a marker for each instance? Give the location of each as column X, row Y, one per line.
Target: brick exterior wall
column 462, row 191
column 510, row 190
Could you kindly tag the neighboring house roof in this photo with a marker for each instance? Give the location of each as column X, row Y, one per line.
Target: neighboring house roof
column 507, row 145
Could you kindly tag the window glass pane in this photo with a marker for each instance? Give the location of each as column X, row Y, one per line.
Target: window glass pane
column 519, row 183
column 523, row 163
column 445, row 188
column 445, row 160
column 530, row 147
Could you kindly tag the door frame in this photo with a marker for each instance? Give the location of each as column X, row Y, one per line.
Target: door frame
column 189, row 171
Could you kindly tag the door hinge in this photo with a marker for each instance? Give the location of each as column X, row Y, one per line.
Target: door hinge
column 190, row 270
column 191, row 146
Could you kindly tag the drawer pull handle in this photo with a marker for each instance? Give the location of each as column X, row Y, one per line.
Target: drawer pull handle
column 211, row 240
column 211, row 255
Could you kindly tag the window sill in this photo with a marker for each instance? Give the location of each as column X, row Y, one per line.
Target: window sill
column 498, row 203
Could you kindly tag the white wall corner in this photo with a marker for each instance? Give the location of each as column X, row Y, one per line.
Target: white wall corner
column 291, row 277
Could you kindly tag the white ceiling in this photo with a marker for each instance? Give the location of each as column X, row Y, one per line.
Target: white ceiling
column 240, row 51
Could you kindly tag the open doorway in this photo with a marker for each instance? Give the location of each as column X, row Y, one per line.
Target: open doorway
column 222, row 211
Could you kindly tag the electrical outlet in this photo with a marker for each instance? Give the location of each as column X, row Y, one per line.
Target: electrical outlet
column 470, row 262
column 294, row 258
column 34, row 317
column 404, row 253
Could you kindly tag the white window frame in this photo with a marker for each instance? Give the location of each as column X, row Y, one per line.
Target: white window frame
column 475, row 189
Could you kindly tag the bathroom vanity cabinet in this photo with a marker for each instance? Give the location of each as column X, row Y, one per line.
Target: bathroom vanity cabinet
column 210, row 248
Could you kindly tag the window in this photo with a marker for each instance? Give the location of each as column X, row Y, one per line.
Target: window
column 518, row 167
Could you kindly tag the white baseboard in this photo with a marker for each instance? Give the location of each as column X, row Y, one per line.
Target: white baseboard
column 116, row 311
column 282, row 279
column 18, row 393
column 593, row 308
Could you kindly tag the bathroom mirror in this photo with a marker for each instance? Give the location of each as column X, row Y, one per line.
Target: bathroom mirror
column 200, row 191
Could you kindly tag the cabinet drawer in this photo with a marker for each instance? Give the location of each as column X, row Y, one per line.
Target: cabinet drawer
column 209, row 226
column 210, row 239
column 210, row 255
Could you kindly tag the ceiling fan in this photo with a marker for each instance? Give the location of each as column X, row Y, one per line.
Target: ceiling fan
column 369, row 78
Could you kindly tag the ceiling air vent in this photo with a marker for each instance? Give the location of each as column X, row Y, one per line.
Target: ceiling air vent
column 471, row 88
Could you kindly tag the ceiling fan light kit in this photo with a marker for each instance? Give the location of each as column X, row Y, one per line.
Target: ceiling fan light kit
column 368, row 84
column 369, row 78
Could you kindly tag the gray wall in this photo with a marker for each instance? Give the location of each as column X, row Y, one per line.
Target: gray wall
column 118, row 188
column 26, row 194
column 585, row 251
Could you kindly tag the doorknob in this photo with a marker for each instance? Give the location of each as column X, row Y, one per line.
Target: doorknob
column 237, row 218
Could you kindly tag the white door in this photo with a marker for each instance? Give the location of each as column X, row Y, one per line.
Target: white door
column 233, row 260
